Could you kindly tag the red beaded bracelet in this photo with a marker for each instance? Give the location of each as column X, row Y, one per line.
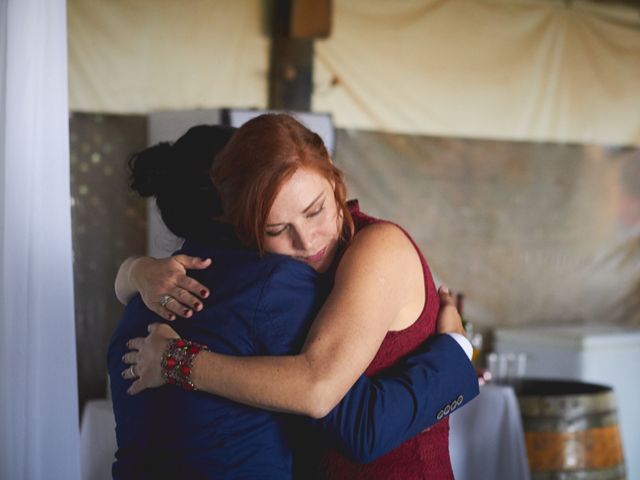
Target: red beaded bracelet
column 177, row 361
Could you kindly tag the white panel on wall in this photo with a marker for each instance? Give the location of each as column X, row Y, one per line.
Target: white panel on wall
column 321, row 123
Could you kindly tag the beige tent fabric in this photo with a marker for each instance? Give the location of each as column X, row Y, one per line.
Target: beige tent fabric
column 542, row 70
column 135, row 56
column 505, row 69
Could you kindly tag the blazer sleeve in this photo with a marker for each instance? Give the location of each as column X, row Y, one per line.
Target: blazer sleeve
column 381, row 412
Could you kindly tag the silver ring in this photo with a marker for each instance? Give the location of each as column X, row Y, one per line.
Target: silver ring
column 132, row 371
column 165, row 299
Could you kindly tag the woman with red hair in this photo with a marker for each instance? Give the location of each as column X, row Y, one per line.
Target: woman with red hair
column 282, row 194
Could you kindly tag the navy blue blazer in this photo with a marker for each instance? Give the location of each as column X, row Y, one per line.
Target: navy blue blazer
column 264, row 306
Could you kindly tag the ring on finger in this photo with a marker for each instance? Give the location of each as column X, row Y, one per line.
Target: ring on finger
column 132, row 371
column 165, row 299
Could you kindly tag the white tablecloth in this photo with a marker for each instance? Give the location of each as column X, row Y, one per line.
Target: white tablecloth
column 97, row 440
column 486, row 439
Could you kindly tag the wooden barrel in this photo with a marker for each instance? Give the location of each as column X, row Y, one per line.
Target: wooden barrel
column 571, row 430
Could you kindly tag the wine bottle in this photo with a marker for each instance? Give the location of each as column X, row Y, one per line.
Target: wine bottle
column 460, row 307
column 474, row 338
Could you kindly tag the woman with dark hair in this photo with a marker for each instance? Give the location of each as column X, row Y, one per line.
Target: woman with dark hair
column 281, row 194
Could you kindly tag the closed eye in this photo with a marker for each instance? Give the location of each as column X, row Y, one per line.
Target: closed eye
column 275, row 233
column 317, row 211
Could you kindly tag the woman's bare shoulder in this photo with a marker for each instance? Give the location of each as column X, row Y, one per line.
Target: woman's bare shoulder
column 383, row 245
column 381, row 236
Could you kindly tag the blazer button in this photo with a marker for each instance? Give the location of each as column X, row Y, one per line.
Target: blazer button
column 440, row 415
column 447, row 409
column 459, row 400
column 454, row 405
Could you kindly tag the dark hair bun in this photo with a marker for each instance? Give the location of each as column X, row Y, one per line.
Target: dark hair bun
column 150, row 169
column 178, row 176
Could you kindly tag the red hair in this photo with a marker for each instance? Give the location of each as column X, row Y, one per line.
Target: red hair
column 261, row 156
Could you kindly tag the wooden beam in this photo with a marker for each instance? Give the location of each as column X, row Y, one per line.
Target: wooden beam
column 295, row 24
column 290, row 83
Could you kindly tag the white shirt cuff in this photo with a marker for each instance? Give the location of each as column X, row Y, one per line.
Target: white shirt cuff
column 464, row 343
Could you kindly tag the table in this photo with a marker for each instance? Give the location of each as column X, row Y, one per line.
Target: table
column 97, row 440
column 486, row 438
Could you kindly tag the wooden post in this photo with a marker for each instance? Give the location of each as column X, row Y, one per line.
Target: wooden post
column 295, row 24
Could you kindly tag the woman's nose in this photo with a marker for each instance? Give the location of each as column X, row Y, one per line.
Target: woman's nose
column 303, row 240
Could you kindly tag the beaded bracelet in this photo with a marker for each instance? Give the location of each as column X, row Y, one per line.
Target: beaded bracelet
column 177, row 361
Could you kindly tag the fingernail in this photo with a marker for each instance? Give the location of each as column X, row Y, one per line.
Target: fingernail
column 129, row 391
column 445, row 289
column 197, row 305
column 186, row 312
column 122, row 374
column 204, row 293
column 171, row 317
column 122, row 358
column 128, row 345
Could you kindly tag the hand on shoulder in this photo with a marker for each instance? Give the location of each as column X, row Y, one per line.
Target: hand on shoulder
column 163, row 284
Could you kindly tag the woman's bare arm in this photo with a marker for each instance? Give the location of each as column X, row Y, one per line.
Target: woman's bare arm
column 378, row 286
column 124, row 287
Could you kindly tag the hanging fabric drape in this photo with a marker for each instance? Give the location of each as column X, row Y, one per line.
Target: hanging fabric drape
column 532, row 70
column 139, row 56
column 39, row 435
column 501, row 69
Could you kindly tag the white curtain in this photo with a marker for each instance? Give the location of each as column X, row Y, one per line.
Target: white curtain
column 39, row 435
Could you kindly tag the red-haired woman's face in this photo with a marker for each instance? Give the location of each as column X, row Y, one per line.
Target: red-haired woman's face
column 304, row 221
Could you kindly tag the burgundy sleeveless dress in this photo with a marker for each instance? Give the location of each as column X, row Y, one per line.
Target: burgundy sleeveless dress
column 425, row 456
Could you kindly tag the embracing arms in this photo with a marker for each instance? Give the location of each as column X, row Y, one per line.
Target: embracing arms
column 381, row 412
column 378, row 413
column 378, row 286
